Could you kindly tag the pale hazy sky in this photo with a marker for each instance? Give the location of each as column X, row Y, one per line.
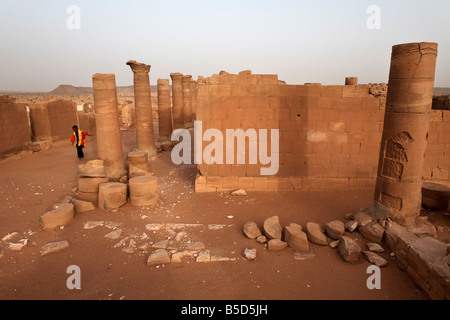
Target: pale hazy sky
column 301, row 41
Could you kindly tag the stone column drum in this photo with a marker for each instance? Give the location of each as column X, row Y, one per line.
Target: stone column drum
column 109, row 142
column 177, row 97
column 143, row 106
column 164, row 110
column 351, row 81
column 405, row 133
column 187, row 101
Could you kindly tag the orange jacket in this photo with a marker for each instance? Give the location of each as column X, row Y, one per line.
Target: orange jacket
column 81, row 138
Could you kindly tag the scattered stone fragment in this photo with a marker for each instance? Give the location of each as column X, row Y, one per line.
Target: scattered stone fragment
column 240, row 192
column 54, row 247
column 296, row 238
column 83, row 206
column 9, row 236
column 204, row 256
column 196, row 246
column 216, row 226
column 121, row 242
column 62, row 216
column 158, row 257
column 272, row 228
column 144, row 246
column 304, row 256
column 18, row 246
column 112, row 225
column 178, row 256
column 251, row 230
column 375, row 247
column 375, row 259
column 334, row 244
column 335, row 229
column 372, row 231
column 154, row 226
column 114, row 235
column 161, row 244
column 180, row 236
column 219, row 259
column 93, row 224
column 129, row 250
column 277, row 245
column 250, row 254
column 261, row 239
column 315, row 234
column 349, row 250
column 351, row 225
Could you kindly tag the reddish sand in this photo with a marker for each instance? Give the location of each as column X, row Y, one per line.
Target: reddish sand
column 32, row 183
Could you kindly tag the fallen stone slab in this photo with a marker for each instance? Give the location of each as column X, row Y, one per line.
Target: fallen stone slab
column 296, row 238
column 240, row 192
column 114, row 235
column 304, row 256
column 83, row 206
column 158, row 257
column 372, row 231
column 93, row 224
column 17, row 246
column 62, row 216
column 9, row 236
column 54, row 247
column 251, row 230
column 375, row 247
column 276, row 245
column 161, row 244
column 272, row 228
column 351, row 225
column 196, row 246
column 204, row 256
column 349, row 250
column 375, row 259
column 335, row 229
column 250, row 254
column 178, row 256
column 315, row 234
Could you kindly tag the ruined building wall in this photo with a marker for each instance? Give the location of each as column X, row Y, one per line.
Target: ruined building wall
column 52, row 120
column 16, row 134
column 329, row 135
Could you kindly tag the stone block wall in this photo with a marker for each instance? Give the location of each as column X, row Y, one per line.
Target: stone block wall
column 16, row 134
column 52, row 120
column 329, row 136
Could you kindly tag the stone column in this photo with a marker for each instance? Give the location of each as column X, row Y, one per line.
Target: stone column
column 351, row 81
column 177, row 97
column 143, row 106
column 164, row 110
column 187, row 101
column 405, row 132
column 109, row 142
column 194, row 88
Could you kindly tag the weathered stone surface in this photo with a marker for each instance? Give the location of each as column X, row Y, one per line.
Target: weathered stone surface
column 261, row 239
column 276, row 245
column 195, row 246
column 112, row 195
column 296, row 238
column 204, row 256
column 83, row 206
column 178, row 256
column 240, row 192
column 375, row 259
column 92, row 169
column 423, row 228
column 161, row 244
column 435, row 196
column 335, row 229
column 373, row 232
column 315, row 234
column 54, row 247
column 251, row 230
column 61, row 216
column 144, row 191
column 351, row 225
column 349, row 250
column 375, row 247
column 250, row 254
column 114, row 235
column 93, row 224
column 272, row 228
column 158, row 257
column 90, row 185
column 17, row 246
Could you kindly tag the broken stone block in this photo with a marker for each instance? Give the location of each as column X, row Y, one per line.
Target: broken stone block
column 261, row 239
column 87, row 184
column 315, row 234
column 144, row 191
column 251, row 230
column 161, row 244
column 92, row 169
column 112, row 195
column 375, row 259
column 276, row 245
column 250, row 254
column 37, row 146
column 334, row 244
column 435, row 196
column 62, row 216
column 54, row 247
column 296, row 238
column 18, row 246
column 83, row 206
column 272, row 228
column 158, row 257
column 351, row 225
column 204, row 256
column 240, row 192
column 335, row 229
column 114, row 235
column 88, row 196
column 373, row 232
column 349, row 250
column 375, row 247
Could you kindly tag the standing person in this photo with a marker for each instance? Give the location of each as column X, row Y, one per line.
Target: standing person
column 78, row 140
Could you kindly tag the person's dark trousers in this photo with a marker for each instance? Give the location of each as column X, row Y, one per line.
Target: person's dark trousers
column 80, row 152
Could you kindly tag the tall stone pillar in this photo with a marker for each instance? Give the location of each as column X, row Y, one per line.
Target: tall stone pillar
column 351, row 81
column 177, row 97
column 109, row 142
column 194, row 88
column 164, row 110
column 187, row 101
column 143, row 106
column 405, row 133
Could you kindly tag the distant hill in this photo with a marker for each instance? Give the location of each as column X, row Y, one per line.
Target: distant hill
column 69, row 90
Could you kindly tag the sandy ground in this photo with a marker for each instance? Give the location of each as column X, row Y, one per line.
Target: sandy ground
column 32, row 183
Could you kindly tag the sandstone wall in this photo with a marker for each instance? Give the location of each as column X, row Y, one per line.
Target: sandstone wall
column 329, row 135
column 16, row 134
column 52, row 120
